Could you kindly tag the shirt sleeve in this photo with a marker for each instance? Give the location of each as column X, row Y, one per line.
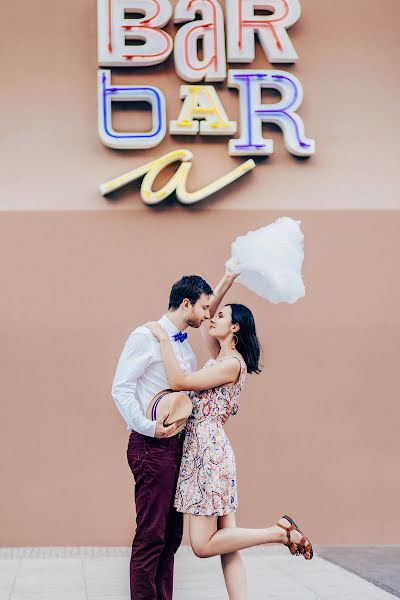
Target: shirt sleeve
column 135, row 358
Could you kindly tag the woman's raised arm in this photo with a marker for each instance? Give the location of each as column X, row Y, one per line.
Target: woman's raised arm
column 221, row 289
column 219, row 292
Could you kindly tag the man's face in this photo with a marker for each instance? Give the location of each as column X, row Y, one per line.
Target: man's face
column 199, row 312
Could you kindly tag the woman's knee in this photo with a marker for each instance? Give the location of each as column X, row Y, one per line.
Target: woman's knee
column 200, row 550
column 202, row 529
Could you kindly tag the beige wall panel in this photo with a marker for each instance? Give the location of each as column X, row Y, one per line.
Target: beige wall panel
column 317, row 432
column 52, row 158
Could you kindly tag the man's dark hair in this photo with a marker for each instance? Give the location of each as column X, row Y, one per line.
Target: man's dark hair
column 190, row 287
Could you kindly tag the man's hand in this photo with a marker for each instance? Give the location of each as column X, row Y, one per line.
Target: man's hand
column 161, row 430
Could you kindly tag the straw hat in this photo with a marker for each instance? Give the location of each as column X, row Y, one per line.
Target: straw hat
column 178, row 404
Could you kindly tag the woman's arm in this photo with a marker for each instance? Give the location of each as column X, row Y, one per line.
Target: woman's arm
column 219, row 292
column 224, row 372
column 222, row 288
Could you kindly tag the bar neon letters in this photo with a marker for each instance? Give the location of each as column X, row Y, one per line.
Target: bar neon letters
column 283, row 113
column 202, row 102
column 108, row 93
column 131, row 34
column 243, row 24
column 116, row 32
column 211, row 30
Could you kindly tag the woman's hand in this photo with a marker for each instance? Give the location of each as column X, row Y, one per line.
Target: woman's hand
column 157, row 330
column 232, row 271
column 230, row 275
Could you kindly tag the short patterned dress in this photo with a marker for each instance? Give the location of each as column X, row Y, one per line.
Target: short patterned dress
column 207, row 477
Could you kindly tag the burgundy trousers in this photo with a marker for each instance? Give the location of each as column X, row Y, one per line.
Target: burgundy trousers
column 159, row 527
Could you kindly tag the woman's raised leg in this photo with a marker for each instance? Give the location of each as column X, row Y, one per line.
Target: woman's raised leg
column 206, row 540
column 232, row 565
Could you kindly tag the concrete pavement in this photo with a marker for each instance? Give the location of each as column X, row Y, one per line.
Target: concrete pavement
column 102, row 574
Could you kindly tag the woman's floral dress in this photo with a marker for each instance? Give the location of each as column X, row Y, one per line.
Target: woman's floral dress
column 207, row 478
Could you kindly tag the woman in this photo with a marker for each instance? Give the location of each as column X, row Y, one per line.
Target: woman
column 206, row 488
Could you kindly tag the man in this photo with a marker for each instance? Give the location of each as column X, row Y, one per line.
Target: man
column 153, row 457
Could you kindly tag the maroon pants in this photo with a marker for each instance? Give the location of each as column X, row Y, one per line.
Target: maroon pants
column 159, row 527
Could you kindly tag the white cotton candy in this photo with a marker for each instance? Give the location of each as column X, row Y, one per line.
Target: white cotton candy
column 269, row 261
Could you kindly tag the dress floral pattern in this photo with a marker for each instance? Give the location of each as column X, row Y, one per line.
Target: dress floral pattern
column 207, row 477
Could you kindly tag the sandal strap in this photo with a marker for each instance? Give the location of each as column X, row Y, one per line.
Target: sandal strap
column 288, row 530
column 304, row 544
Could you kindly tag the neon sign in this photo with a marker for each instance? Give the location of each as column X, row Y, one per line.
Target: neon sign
column 202, row 112
column 177, row 183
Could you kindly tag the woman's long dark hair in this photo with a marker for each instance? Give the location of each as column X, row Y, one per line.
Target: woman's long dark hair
column 248, row 343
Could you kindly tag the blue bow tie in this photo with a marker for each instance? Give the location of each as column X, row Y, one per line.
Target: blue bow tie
column 179, row 337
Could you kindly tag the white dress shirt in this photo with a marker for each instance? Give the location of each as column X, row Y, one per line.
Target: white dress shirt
column 140, row 374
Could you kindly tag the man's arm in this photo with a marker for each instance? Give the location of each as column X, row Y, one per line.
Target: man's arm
column 135, row 358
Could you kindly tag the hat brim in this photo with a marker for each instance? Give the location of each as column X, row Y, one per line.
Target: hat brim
column 177, row 404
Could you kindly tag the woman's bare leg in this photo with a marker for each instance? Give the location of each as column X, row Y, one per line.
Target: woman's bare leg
column 207, row 540
column 232, row 565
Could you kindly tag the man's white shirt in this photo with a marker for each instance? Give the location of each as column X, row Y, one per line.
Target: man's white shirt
column 140, row 374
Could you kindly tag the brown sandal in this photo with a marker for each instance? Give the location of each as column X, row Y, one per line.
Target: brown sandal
column 303, row 546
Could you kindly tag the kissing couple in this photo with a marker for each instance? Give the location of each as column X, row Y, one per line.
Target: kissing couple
column 190, row 470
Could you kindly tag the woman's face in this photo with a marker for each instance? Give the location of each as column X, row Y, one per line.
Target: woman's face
column 221, row 323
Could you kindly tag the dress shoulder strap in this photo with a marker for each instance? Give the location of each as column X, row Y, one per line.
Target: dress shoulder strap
column 243, row 370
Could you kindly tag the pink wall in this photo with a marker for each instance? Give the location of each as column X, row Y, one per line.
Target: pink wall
column 317, row 431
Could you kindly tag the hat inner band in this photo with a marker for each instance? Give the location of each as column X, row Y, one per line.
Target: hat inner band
column 156, row 403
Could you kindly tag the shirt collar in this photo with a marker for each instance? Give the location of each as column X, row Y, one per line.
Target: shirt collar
column 168, row 325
